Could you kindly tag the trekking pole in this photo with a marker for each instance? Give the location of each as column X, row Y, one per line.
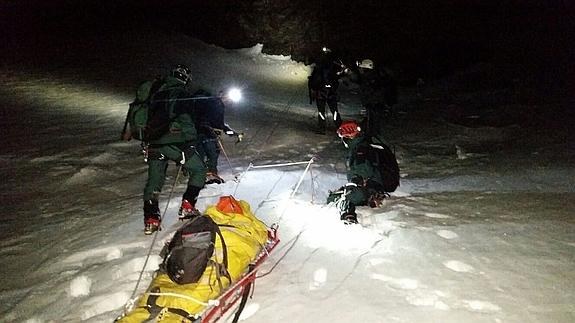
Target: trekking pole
column 242, row 176
column 123, row 134
column 227, row 158
column 172, row 189
column 302, row 177
column 130, row 300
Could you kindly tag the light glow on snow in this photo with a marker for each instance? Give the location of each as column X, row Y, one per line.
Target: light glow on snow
column 450, row 245
column 61, row 95
column 80, row 286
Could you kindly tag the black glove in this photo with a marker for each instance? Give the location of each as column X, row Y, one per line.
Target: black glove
column 217, row 132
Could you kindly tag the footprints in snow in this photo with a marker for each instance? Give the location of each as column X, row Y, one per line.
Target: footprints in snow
column 458, row 266
column 319, row 279
column 418, row 294
column 413, row 291
column 80, row 286
column 437, row 215
column 447, row 234
column 454, row 265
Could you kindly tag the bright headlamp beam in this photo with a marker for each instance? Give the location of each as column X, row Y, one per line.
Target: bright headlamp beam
column 235, row 94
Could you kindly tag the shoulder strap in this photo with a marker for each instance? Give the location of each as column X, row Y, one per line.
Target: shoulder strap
column 156, row 85
column 224, row 270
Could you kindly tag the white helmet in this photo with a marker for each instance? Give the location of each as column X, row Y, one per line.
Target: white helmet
column 366, row 63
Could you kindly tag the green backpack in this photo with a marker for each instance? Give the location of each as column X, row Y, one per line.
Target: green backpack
column 138, row 113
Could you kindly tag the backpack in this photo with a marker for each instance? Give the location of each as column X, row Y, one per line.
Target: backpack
column 139, row 111
column 316, row 79
column 322, row 75
column 190, row 250
column 383, row 158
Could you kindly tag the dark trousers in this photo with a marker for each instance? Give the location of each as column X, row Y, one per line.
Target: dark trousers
column 352, row 195
column 209, row 150
column 158, row 158
column 329, row 98
column 377, row 115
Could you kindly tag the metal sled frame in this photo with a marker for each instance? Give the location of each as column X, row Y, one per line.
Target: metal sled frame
column 240, row 289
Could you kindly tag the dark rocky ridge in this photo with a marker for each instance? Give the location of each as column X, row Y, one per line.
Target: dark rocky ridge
column 428, row 38
column 524, row 48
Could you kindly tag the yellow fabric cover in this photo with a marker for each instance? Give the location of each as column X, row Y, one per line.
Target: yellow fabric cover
column 244, row 238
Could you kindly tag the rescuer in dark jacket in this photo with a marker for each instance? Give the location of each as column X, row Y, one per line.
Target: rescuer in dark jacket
column 210, row 111
column 323, row 84
column 378, row 94
column 176, row 141
column 372, row 172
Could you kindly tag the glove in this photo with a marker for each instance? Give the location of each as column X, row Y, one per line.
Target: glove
column 240, row 137
column 343, row 71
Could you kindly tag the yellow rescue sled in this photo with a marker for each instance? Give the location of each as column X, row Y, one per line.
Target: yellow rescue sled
column 248, row 242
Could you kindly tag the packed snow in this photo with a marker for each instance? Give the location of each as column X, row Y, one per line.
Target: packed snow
column 481, row 229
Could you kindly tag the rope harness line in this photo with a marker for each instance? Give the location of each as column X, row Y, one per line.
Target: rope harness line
column 302, row 176
column 251, row 165
column 189, row 298
column 131, row 299
column 294, row 191
column 220, row 143
column 293, row 241
column 285, row 110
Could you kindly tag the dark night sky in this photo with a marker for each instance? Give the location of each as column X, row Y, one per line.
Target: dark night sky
column 432, row 37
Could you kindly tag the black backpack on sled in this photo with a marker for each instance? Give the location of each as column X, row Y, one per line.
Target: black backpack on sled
column 188, row 254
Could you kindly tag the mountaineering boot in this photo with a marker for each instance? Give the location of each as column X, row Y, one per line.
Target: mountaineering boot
column 151, row 225
column 349, row 218
column 188, row 207
column 152, row 217
column 376, row 199
column 213, row 178
column 187, row 210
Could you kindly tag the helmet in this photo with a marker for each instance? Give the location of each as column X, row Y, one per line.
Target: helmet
column 348, row 129
column 366, row 63
column 325, row 50
column 182, row 73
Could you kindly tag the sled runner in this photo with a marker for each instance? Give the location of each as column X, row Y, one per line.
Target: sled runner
column 246, row 243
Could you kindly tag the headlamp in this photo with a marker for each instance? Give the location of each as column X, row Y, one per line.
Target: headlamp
column 235, row 95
